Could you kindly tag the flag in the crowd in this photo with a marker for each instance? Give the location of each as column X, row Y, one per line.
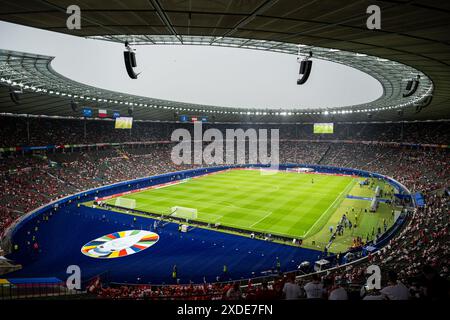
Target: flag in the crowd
column 102, row 113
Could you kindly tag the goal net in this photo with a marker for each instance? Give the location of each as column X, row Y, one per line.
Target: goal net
column 125, row 203
column 183, row 212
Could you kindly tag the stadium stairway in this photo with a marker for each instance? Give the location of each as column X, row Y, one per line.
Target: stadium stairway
column 324, row 155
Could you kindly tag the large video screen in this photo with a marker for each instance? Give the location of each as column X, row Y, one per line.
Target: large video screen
column 320, row 128
column 124, row 123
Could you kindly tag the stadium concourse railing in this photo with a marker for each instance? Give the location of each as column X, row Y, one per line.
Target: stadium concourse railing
column 121, row 187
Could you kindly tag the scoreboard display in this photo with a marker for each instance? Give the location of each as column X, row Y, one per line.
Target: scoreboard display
column 320, row 128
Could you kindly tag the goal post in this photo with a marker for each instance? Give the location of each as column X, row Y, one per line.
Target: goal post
column 184, row 212
column 125, row 203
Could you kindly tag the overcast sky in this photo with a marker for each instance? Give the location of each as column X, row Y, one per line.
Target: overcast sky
column 197, row 74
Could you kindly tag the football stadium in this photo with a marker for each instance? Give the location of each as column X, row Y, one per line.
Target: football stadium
column 224, row 150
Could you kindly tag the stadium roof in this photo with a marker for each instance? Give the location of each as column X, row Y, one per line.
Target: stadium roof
column 414, row 33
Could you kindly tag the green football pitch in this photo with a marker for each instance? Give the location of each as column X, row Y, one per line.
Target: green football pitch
column 289, row 204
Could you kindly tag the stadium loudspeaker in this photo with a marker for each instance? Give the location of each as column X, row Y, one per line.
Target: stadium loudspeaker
column 130, row 111
column 423, row 104
column 411, row 88
column 130, row 63
column 13, row 94
column 305, row 70
column 74, row 106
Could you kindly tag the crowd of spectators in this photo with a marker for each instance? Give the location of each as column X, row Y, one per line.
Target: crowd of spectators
column 25, row 190
column 420, row 252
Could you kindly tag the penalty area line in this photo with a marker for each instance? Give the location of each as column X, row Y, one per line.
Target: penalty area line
column 331, row 205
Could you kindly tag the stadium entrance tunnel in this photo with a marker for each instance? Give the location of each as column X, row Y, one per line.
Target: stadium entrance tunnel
column 62, row 228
